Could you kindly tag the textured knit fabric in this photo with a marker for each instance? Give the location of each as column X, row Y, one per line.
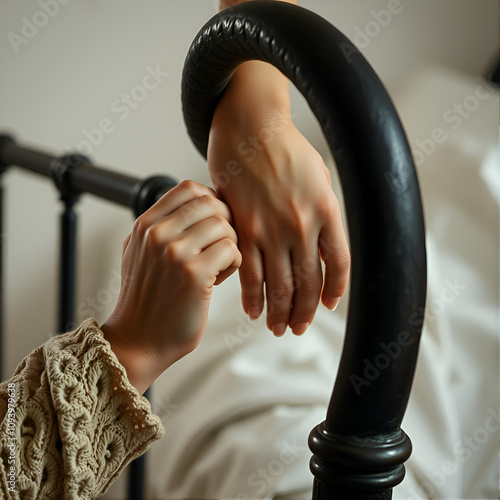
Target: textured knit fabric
column 70, row 421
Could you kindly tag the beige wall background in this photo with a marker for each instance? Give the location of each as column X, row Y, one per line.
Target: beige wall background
column 63, row 77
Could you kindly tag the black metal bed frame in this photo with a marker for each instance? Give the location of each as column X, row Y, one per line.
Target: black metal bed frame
column 359, row 450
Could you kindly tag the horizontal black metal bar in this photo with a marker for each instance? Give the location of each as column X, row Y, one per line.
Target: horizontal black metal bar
column 83, row 177
column 119, row 188
column 12, row 154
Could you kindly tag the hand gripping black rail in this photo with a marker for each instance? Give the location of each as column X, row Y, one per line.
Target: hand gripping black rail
column 359, row 450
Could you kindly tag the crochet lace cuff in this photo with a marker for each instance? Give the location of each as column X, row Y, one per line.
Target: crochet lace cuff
column 78, row 420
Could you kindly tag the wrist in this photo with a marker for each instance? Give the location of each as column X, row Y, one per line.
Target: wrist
column 141, row 368
column 261, row 85
column 257, row 95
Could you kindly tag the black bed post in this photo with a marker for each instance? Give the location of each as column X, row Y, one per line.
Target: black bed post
column 60, row 169
column 67, row 270
column 360, row 449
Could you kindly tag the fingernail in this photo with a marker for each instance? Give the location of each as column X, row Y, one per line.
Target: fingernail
column 254, row 313
column 300, row 328
column 279, row 329
column 332, row 303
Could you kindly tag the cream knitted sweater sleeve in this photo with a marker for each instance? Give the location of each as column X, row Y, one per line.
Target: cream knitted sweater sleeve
column 70, row 421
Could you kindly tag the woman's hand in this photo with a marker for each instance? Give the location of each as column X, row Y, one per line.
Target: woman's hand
column 285, row 213
column 177, row 251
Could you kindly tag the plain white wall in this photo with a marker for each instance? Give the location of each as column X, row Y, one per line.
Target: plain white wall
column 63, row 77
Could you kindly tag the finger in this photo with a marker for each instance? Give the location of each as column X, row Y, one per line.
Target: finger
column 335, row 253
column 195, row 229
column 219, row 260
column 223, row 275
column 308, row 281
column 198, row 209
column 174, row 199
column 252, row 280
column 205, row 233
column 279, row 289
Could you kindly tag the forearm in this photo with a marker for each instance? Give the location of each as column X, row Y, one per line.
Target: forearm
column 258, row 89
column 65, row 397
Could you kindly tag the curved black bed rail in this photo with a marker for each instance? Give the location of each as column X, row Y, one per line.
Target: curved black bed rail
column 359, row 450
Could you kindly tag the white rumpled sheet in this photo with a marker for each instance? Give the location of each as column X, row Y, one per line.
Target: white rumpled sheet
column 239, row 409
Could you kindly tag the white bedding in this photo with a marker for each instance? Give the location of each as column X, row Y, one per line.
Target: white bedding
column 239, row 409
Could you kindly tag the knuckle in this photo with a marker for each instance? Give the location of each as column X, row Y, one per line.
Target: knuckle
column 140, row 226
column 294, row 218
column 300, row 227
column 329, row 209
column 236, row 250
column 281, row 294
column 175, row 254
column 231, row 245
column 342, row 261
column 311, row 286
column 189, row 185
column 201, row 203
column 153, row 236
column 206, row 199
column 221, row 221
column 300, row 221
column 226, row 228
column 126, row 242
column 232, row 234
column 252, row 229
column 285, row 289
column 191, row 273
column 252, row 278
